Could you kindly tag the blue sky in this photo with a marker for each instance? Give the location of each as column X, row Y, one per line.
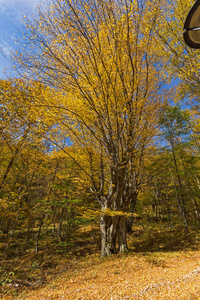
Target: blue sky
column 11, row 14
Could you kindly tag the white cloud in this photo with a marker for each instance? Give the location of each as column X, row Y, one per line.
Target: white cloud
column 14, row 8
column 19, row 3
column 5, row 47
column 11, row 23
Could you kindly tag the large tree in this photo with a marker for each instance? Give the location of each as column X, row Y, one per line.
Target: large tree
column 104, row 62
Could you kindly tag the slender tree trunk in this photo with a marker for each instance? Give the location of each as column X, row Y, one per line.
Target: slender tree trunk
column 196, row 208
column 182, row 202
column 198, row 183
column 39, row 231
column 169, row 212
column 16, row 152
column 181, row 210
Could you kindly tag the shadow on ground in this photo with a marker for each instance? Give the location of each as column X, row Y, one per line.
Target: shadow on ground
column 164, row 240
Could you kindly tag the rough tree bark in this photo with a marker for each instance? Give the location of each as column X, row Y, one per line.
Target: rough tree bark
column 132, row 210
column 108, row 227
column 113, row 230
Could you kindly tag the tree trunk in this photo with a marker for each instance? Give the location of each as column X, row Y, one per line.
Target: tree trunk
column 122, row 235
column 133, row 202
column 181, row 202
column 39, row 231
column 111, row 228
column 108, row 227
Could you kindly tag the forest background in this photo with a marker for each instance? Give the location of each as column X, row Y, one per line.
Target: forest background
column 101, row 125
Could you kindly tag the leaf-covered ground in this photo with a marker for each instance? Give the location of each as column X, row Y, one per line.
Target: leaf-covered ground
column 159, row 274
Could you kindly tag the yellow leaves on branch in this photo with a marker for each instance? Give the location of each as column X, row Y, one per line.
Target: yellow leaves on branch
column 101, row 60
column 88, row 213
column 31, row 103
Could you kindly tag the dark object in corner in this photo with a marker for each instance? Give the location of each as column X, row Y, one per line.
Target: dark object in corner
column 192, row 27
